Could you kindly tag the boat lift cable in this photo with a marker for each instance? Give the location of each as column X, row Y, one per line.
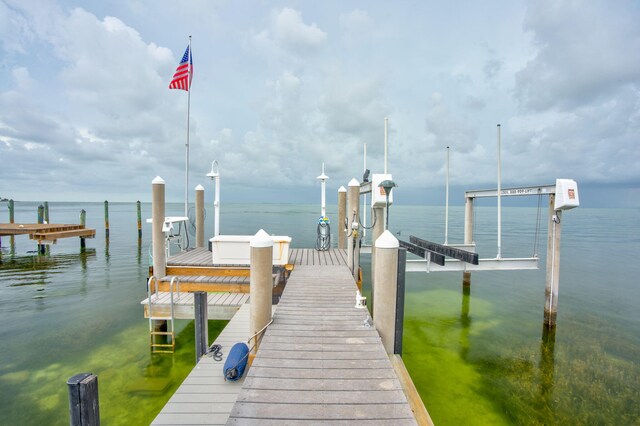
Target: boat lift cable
column 537, row 234
column 375, row 218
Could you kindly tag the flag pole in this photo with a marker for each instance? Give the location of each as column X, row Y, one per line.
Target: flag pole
column 186, row 173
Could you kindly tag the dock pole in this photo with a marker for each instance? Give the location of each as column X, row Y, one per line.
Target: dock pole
column 553, row 266
column 199, row 216
column 260, row 286
column 385, row 291
column 342, row 216
column 468, row 235
column 83, row 400
column 157, row 236
column 12, row 240
column 201, row 323
column 83, row 223
column 41, row 247
column 106, row 219
column 139, row 211
column 353, row 242
column 377, row 215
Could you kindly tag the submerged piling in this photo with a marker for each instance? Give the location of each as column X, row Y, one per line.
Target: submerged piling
column 83, row 400
column 106, row 219
column 139, row 211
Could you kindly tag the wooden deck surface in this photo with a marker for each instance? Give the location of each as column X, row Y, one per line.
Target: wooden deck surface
column 219, row 305
column 204, row 397
column 320, row 362
column 297, row 256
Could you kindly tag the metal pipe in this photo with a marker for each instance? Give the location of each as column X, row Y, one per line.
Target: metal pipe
column 499, row 255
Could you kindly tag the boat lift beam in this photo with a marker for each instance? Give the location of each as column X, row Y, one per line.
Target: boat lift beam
column 516, row 191
column 455, row 265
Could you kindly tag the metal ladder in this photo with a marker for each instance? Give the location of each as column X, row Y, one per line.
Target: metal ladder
column 162, row 347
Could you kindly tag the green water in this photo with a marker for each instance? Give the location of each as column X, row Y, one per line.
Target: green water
column 476, row 358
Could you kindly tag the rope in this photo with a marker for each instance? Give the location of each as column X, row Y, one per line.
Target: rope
column 323, row 241
column 214, row 350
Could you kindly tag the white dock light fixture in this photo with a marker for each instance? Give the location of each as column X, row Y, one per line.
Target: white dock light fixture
column 323, row 186
column 215, row 176
column 387, row 185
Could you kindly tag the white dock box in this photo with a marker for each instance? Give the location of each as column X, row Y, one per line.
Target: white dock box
column 566, row 194
column 378, row 196
column 235, row 250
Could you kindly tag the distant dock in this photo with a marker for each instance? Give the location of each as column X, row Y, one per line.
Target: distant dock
column 46, row 233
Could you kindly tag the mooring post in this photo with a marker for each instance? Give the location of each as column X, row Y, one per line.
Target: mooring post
column 377, row 215
column 106, row 219
column 199, row 216
column 342, row 216
column 157, row 236
column 201, row 323
column 260, row 285
column 468, row 234
column 553, row 265
column 139, row 211
column 12, row 220
column 83, row 223
column 353, row 242
column 84, row 407
column 41, row 247
column 385, row 291
column 46, row 212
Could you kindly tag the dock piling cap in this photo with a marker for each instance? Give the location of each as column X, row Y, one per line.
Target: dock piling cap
column 261, row 239
column 199, row 188
column 354, row 182
column 342, row 189
column 387, row 240
column 158, row 181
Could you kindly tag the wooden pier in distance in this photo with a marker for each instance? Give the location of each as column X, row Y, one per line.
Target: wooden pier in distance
column 320, row 361
column 46, row 233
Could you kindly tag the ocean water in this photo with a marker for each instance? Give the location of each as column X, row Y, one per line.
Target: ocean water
column 476, row 357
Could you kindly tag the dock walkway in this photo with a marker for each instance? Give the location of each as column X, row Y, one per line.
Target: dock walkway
column 204, row 397
column 321, row 361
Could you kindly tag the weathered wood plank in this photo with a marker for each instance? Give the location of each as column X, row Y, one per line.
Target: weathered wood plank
column 317, row 412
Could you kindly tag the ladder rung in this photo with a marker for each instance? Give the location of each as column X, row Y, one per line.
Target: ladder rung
column 162, row 333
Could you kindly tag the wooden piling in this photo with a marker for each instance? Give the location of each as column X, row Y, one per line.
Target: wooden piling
column 553, row 265
column 12, row 220
column 106, row 219
column 260, row 284
column 157, row 236
column 400, row 284
column 46, row 212
column 139, row 211
column 353, row 242
column 378, row 228
column 84, row 409
column 342, row 215
column 199, row 216
column 201, row 323
column 385, row 291
column 41, row 247
column 83, row 222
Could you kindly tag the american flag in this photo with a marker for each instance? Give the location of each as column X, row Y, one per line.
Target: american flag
column 184, row 73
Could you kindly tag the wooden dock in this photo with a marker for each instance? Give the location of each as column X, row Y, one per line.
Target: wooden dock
column 204, row 397
column 46, row 233
column 220, row 306
column 321, row 361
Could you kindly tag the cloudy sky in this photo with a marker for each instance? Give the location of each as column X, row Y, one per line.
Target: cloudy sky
column 280, row 87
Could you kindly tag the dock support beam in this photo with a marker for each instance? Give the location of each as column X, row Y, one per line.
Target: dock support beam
column 83, row 400
column 385, row 291
column 468, row 235
column 201, row 323
column 342, row 216
column 157, row 236
column 260, row 285
column 353, row 242
column 199, row 216
column 553, row 266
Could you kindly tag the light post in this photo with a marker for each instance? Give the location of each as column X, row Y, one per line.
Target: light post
column 387, row 185
column 215, row 176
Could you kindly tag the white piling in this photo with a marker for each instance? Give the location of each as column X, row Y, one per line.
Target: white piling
column 157, row 236
column 553, row 265
column 199, row 216
column 384, row 293
column 468, row 234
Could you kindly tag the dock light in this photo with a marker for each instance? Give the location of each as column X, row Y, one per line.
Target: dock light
column 215, row 176
column 387, row 185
